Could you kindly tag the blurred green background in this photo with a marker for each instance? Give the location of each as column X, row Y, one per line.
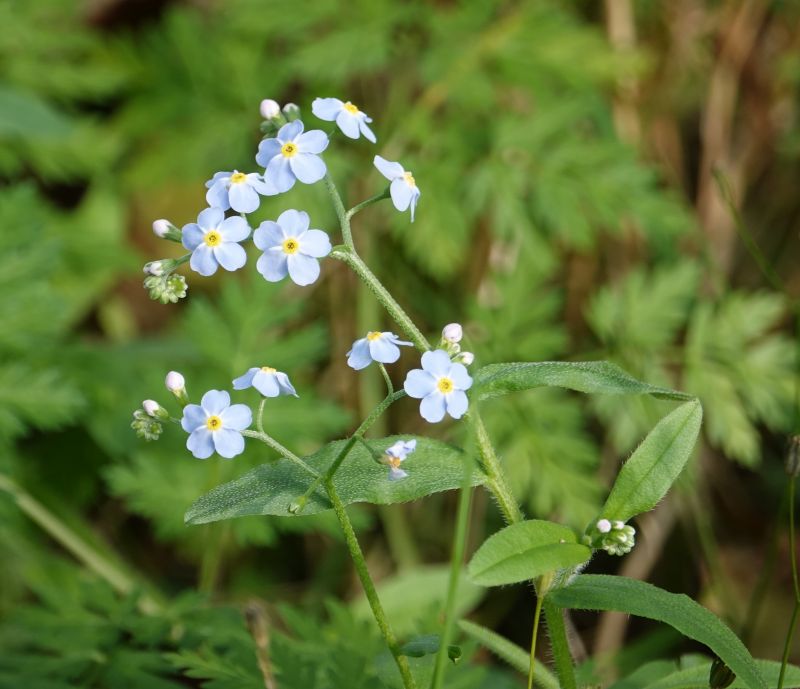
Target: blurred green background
column 566, row 153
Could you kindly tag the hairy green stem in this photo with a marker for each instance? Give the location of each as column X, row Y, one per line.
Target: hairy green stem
column 352, row 259
column 793, row 557
column 559, row 644
column 281, row 450
column 494, row 471
column 456, row 565
column 341, row 212
column 387, row 380
column 369, row 587
column 111, row 572
column 368, row 202
column 534, row 636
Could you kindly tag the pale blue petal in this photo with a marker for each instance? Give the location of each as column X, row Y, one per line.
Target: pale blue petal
column 396, row 474
column 193, row 417
column 217, row 196
column 230, row 255
column 245, row 380
column 237, row 417
column 263, row 186
column 228, row 443
column 293, row 223
column 436, row 363
column 419, row 383
column 402, row 194
column 280, row 174
column 266, row 384
column 314, row 243
column 244, row 199
column 369, row 135
column 200, row 443
column 307, row 167
column 458, row 374
column 234, row 229
column 217, row 176
column 457, row 404
column 290, row 131
column 396, row 340
column 359, row 357
column 203, row 261
column 273, row 266
column 414, row 199
column 302, row 269
column 384, row 351
column 285, row 384
column 267, row 150
column 432, row 407
column 191, row 235
column 314, row 141
column 215, row 401
column 411, row 445
column 348, row 123
column 267, row 235
column 326, row 108
column 210, row 218
column 387, row 168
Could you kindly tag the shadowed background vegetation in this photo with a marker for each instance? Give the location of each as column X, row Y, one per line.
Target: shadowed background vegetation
column 571, row 157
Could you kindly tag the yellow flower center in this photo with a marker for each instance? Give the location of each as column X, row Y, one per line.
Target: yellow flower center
column 352, row 109
column 374, row 335
column 213, row 423
column 445, row 385
column 238, row 177
column 212, row 238
column 410, row 179
column 290, row 246
column 269, row 369
column 289, row 149
column 392, row 461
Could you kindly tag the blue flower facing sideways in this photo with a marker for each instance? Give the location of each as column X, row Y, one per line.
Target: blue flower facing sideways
column 376, row 346
column 213, row 241
column 395, row 454
column 440, row 384
column 238, row 190
column 290, row 248
column 403, row 189
column 347, row 116
column 267, row 380
column 216, row 424
column 293, row 155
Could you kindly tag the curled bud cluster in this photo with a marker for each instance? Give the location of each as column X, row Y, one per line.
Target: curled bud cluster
column 166, row 288
column 616, row 538
column 452, row 334
column 145, row 425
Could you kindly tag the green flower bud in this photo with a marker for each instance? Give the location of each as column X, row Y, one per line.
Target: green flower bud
column 616, row 538
column 146, row 426
column 166, row 288
column 720, row 676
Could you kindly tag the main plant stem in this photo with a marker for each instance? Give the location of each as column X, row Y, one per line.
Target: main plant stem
column 369, row 587
column 559, row 644
column 787, row 646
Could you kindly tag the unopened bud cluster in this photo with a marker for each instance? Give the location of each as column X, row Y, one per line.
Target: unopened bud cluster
column 616, row 538
column 166, row 288
column 275, row 116
column 452, row 335
column 146, row 426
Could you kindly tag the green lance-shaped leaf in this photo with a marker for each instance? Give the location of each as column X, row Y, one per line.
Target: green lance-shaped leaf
column 603, row 592
column 270, row 488
column 593, row 377
column 647, row 476
column 526, row 550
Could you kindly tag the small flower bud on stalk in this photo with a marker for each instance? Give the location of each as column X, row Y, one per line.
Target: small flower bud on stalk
column 269, row 109
column 176, row 384
column 166, row 230
column 466, row 358
column 720, row 676
column 154, row 409
column 153, row 268
column 291, row 111
column 453, row 332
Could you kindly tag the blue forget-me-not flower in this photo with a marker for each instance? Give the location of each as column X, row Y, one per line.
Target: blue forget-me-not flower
column 213, row 240
column 404, row 190
column 238, row 190
column 352, row 121
column 293, row 155
column 290, row 248
column 395, row 454
column 269, row 381
column 216, row 424
column 440, row 384
column 376, row 346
